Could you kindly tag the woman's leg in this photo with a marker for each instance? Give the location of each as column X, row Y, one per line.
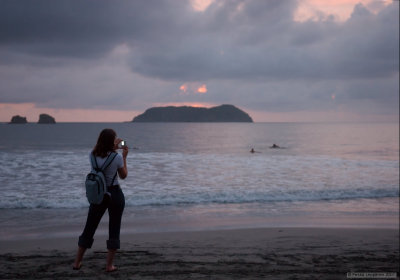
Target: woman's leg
column 95, row 214
column 115, row 210
column 78, row 258
column 110, row 260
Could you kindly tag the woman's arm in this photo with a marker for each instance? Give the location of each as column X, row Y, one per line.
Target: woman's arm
column 123, row 171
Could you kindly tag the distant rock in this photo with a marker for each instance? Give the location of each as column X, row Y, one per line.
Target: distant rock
column 223, row 113
column 18, row 120
column 47, row 119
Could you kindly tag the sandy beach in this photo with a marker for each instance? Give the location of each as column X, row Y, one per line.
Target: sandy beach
column 267, row 253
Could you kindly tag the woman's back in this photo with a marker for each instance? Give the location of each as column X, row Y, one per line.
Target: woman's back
column 112, row 169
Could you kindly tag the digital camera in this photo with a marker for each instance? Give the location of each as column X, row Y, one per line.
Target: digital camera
column 122, row 144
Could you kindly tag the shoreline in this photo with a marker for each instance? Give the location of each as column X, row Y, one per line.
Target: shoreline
column 23, row 224
column 305, row 253
column 63, row 243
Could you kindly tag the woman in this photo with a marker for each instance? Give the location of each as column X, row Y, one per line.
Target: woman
column 107, row 143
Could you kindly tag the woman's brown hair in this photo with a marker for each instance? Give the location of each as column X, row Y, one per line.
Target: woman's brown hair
column 105, row 143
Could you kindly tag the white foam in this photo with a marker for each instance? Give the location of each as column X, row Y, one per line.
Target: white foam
column 54, row 179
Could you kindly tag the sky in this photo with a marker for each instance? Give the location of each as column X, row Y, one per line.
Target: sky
column 278, row 60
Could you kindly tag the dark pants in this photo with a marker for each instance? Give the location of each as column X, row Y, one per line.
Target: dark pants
column 115, row 206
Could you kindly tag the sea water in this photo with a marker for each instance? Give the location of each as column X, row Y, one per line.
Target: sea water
column 189, row 176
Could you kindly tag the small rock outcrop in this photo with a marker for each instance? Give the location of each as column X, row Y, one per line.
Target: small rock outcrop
column 46, row 119
column 223, row 113
column 18, row 120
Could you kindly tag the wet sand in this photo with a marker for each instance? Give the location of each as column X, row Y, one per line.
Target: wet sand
column 267, row 253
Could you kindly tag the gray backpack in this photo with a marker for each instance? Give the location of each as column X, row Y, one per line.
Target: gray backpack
column 95, row 183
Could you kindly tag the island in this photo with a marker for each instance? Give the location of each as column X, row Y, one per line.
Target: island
column 18, row 120
column 223, row 113
column 46, row 119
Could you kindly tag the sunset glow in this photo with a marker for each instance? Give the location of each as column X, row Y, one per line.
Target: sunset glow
column 201, row 5
column 340, row 9
column 314, row 9
column 31, row 112
column 193, row 88
column 190, row 104
column 183, row 88
column 202, row 89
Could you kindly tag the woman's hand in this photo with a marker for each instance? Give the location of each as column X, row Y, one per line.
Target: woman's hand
column 123, row 172
column 125, row 151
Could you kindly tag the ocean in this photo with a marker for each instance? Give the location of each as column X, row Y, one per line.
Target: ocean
column 202, row 176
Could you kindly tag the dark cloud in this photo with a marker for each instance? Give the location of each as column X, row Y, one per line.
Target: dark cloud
column 62, row 54
column 230, row 40
column 82, row 28
column 244, row 43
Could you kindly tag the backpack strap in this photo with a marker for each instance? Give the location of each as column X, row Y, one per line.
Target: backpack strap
column 112, row 182
column 111, row 160
column 93, row 162
column 108, row 161
column 106, row 164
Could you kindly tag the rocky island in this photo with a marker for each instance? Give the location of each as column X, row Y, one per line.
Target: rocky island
column 223, row 113
column 46, row 119
column 18, row 120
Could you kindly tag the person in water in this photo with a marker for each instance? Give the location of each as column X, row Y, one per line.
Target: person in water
column 107, row 143
column 274, row 146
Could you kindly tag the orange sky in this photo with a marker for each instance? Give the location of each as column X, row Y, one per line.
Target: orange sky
column 31, row 112
column 309, row 9
column 341, row 9
column 79, row 115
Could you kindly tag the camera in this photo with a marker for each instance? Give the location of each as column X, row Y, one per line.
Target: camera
column 122, row 144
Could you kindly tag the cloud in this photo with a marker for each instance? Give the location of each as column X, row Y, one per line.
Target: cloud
column 229, row 40
column 202, row 88
column 193, row 88
column 200, row 5
column 82, row 29
column 254, row 43
column 132, row 54
column 105, row 83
